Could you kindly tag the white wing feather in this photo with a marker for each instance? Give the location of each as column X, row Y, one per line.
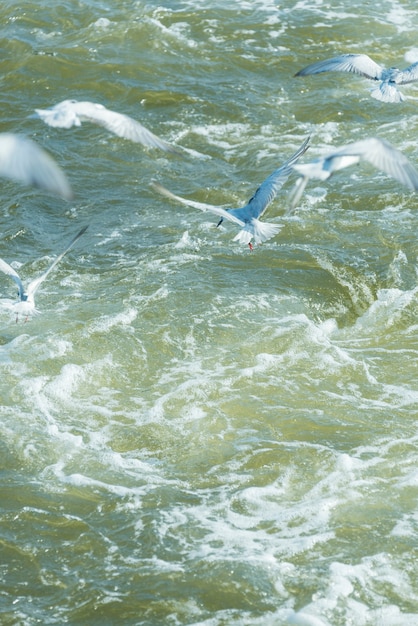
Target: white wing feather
column 355, row 63
column 70, row 113
column 378, row 152
column 198, row 205
column 24, row 161
column 9, row 271
column 34, row 285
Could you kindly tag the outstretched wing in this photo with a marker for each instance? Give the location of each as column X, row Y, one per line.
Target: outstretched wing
column 33, row 286
column 198, row 205
column 23, row 160
column 121, row 125
column 409, row 74
column 355, row 63
column 268, row 189
column 383, row 156
column 8, row 269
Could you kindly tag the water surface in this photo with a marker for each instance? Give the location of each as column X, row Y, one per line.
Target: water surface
column 192, row 433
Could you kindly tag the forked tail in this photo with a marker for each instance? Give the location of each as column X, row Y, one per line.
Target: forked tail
column 260, row 231
column 386, row 92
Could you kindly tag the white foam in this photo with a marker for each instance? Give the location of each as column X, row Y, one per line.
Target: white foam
column 180, row 31
column 387, row 310
column 107, row 323
column 401, row 17
column 103, row 23
column 411, row 56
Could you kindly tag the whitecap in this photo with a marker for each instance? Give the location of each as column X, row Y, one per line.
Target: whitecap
column 102, row 23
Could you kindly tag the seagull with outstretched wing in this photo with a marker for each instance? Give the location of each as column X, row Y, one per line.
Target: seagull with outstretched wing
column 389, row 78
column 70, row 113
column 248, row 216
column 379, row 152
column 26, row 302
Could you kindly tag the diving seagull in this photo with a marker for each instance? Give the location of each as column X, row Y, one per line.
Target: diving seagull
column 248, row 216
column 378, row 152
column 26, row 302
column 390, row 78
column 70, row 113
column 21, row 159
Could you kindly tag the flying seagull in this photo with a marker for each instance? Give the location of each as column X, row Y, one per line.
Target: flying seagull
column 26, row 302
column 248, row 216
column 390, row 78
column 21, row 159
column 378, row 152
column 70, row 113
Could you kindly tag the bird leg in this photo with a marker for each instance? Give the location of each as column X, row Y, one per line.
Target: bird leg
column 17, row 318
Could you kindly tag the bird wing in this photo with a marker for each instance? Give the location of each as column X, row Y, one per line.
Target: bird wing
column 121, row 125
column 23, row 160
column 8, row 269
column 356, row 63
column 323, row 167
column 198, row 205
column 268, row 189
column 61, row 115
column 409, row 74
column 383, row 156
column 33, row 286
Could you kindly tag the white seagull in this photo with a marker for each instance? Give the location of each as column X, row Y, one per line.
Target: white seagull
column 21, row 159
column 248, row 216
column 390, row 78
column 70, row 113
column 378, row 152
column 26, row 303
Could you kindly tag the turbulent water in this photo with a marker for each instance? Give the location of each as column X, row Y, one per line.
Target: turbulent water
column 191, row 432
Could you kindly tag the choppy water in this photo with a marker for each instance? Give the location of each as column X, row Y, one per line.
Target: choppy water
column 192, row 433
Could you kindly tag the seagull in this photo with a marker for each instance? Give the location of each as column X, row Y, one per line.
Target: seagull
column 26, row 303
column 389, row 78
column 247, row 216
column 378, row 152
column 21, row 159
column 70, row 113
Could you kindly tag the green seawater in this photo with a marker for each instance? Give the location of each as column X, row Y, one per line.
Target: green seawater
column 191, row 432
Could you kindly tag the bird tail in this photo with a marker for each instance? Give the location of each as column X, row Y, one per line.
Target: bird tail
column 261, row 231
column 386, row 92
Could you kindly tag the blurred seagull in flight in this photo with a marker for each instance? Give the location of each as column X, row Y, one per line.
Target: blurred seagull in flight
column 21, row 159
column 248, row 216
column 26, row 302
column 389, row 78
column 378, row 152
column 70, row 113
